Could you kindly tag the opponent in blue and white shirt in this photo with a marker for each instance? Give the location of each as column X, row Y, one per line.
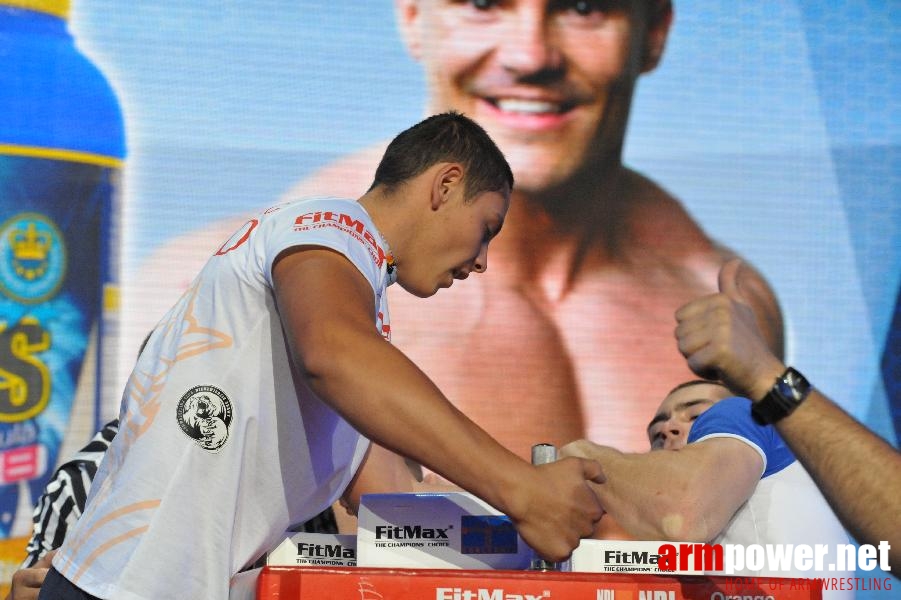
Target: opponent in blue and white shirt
column 725, row 479
column 785, row 507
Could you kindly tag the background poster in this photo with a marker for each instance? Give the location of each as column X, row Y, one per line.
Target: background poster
column 777, row 124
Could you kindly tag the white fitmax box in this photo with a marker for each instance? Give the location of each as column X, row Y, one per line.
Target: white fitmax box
column 621, row 556
column 315, row 550
column 453, row 530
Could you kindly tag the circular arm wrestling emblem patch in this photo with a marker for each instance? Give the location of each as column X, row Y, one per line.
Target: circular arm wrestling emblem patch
column 204, row 413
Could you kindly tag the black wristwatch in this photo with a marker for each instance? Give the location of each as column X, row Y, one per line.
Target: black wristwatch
column 787, row 393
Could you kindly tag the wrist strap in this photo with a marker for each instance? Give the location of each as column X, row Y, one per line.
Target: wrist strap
column 789, row 391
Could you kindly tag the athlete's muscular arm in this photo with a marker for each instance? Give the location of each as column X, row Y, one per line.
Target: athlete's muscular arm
column 383, row 472
column 674, row 495
column 857, row 471
column 327, row 307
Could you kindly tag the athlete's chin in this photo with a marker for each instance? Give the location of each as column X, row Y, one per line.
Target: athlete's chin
column 418, row 291
column 443, row 285
column 424, row 289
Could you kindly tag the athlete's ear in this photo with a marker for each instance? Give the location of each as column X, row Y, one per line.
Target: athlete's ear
column 448, row 181
column 407, row 14
column 659, row 21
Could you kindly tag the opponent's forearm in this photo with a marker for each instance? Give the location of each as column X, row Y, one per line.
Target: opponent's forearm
column 857, row 471
column 651, row 496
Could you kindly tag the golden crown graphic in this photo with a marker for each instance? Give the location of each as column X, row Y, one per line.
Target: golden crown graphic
column 30, row 244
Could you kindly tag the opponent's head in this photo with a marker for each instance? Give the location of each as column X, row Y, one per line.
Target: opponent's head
column 669, row 428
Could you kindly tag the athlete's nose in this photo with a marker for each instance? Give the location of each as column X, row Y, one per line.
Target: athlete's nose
column 480, row 265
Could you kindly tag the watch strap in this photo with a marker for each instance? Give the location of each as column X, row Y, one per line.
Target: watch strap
column 787, row 393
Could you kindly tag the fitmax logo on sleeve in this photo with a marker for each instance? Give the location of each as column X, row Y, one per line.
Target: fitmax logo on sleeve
column 345, row 222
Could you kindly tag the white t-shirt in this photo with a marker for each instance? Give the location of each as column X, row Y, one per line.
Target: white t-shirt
column 786, row 508
column 222, row 445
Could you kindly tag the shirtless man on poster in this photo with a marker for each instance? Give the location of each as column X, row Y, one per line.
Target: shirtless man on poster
column 576, row 313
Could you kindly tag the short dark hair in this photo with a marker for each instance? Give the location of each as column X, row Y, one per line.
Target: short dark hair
column 692, row 382
column 446, row 137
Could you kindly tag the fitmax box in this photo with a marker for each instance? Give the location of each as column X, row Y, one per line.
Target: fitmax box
column 453, row 530
column 621, row 556
column 316, row 550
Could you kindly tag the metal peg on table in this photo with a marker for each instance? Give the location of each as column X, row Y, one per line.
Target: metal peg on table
column 543, row 454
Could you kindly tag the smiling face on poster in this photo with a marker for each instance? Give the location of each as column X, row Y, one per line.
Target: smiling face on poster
column 768, row 132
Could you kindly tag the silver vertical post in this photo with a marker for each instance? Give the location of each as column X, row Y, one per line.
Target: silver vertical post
column 543, row 454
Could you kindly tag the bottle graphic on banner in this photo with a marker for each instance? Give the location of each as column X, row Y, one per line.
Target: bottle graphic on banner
column 62, row 145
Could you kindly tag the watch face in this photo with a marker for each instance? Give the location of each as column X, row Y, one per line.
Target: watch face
column 793, row 386
column 787, row 390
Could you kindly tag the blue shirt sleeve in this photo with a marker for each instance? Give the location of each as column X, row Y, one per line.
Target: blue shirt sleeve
column 732, row 418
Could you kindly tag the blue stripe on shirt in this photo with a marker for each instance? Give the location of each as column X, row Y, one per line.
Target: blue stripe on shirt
column 732, row 416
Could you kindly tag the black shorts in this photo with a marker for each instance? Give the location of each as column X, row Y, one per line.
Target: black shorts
column 57, row 587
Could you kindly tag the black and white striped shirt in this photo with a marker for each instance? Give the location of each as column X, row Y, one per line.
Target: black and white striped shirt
column 63, row 500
